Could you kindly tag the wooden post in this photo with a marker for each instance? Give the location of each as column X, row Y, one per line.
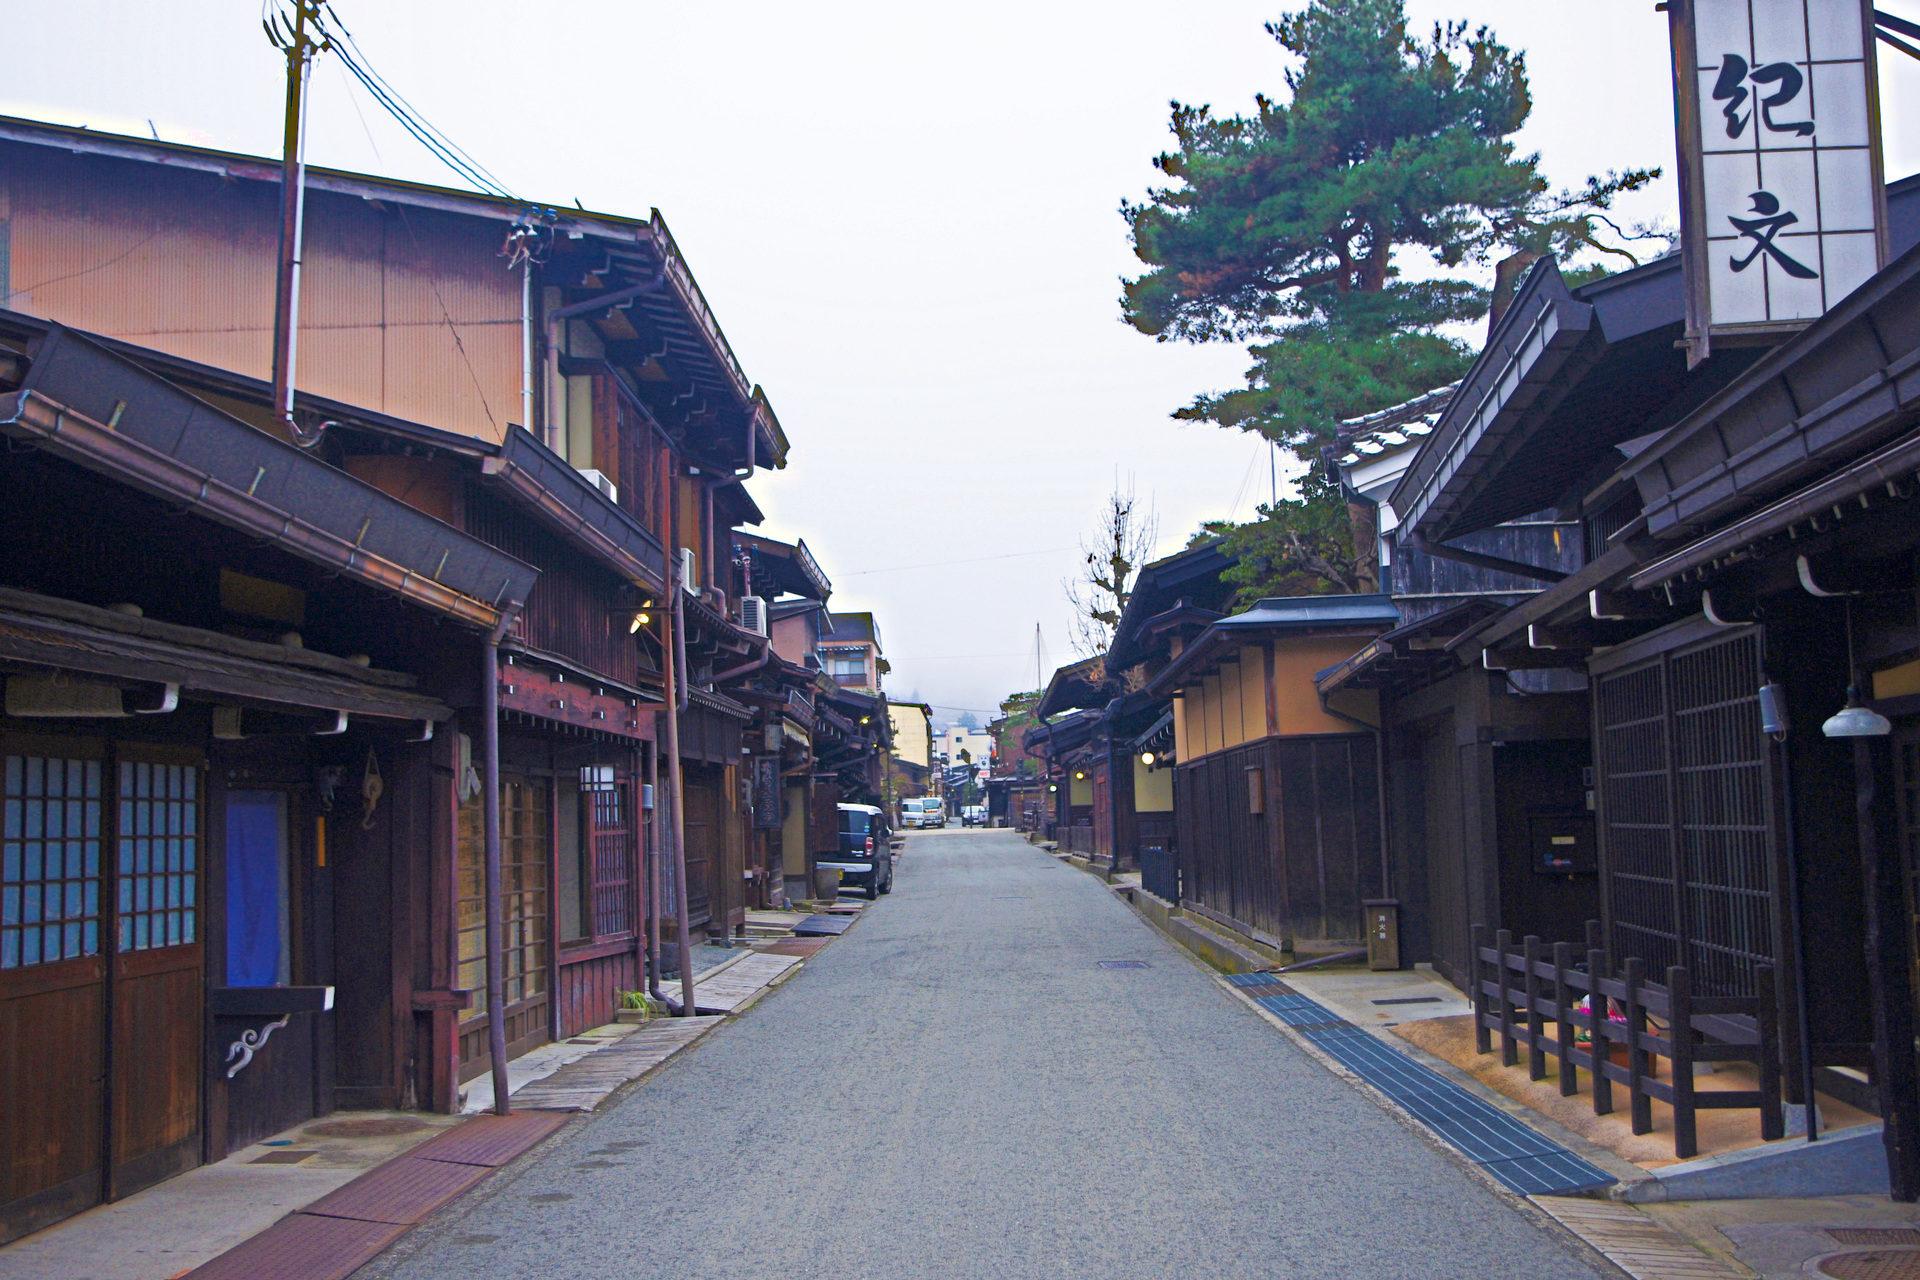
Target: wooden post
column 494, row 924
column 1536, row 1026
column 1563, row 1019
column 1638, row 1103
column 1503, row 943
column 1889, row 967
column 1686, row 1142
column 1477, row 991
column 1767, row 1020
column 1597, row 1028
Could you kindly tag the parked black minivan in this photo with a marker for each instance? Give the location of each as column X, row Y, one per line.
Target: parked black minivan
column 866, row 857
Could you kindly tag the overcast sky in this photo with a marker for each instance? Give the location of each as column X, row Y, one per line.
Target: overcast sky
column 904, row 215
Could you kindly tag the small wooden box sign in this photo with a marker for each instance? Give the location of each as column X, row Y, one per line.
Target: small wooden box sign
column 1256, row 789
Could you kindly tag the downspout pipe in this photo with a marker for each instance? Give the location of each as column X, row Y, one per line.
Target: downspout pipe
column 526, row 343
column 676, row 701
column 653, row 874
column 745, row 668
column 490, row 821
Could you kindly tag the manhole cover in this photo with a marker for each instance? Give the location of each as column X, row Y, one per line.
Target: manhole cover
column 1882, row 1237
column 370, row 1127
column 1879, row 1264
column 1122, row 964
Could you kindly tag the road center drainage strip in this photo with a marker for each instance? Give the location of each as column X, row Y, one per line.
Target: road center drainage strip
column 1519, row 1158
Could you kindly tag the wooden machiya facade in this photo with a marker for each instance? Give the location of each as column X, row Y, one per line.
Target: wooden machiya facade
column 1276, row 797
column 1118, row 737
column 232, row 676
column 1648, row 737
column 332, row 790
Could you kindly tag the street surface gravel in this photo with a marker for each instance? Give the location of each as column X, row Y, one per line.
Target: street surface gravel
column 955, row 1089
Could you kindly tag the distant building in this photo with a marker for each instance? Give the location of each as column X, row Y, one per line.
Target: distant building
column 976, row 743
column 850, row 651
column 912, row 732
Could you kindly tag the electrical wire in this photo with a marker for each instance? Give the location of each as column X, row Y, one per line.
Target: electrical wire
column 340, row 41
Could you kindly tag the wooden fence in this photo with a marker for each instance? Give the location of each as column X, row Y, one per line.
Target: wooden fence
column 1076, row 840
column 1517, row 994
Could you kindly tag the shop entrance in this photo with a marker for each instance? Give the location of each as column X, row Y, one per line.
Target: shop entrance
column 101, row 975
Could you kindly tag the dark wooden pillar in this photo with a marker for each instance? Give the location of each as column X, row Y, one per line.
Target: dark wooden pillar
column 1889, row 966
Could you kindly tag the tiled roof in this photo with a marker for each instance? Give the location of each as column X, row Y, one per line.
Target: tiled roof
column 1407, row 423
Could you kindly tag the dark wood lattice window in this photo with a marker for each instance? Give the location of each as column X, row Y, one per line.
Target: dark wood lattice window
column 609, row 850
column 159, row 854
column 524, row 841
column 50, row 873
column 1686, row 833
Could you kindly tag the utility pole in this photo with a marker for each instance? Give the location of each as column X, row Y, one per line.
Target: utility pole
column 300, row 39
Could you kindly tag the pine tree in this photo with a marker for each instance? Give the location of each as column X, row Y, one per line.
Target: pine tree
column 1286, row 227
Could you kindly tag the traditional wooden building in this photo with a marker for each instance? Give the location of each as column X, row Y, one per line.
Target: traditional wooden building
column 239, row 685
column 1276, row 796
column 1658, row 735
column 551, row 398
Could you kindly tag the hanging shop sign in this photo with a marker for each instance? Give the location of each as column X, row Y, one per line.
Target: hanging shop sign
column 1783, row 205
column 764, row 792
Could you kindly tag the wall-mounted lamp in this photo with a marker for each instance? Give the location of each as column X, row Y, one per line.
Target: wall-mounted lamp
column 1079, row 775
column 639, row 620
column 1146, row 758
column 1053, row 786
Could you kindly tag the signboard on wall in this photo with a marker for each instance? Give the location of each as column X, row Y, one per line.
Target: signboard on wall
column 1783, row 206
column 764, row 791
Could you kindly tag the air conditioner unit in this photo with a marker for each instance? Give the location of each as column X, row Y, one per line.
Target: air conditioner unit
column 599, row 481
column 688, row 581
column 753, row 614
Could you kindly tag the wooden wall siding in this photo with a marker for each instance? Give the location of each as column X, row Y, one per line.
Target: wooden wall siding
column 1686, row 812
column 184, row 262
column 1229, row 707
column 569, row 609
column 1536, row 539
column 589, row 990
column 1298, row 871
column 703, row 841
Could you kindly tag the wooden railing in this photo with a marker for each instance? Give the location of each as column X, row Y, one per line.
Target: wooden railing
column 1517, row 994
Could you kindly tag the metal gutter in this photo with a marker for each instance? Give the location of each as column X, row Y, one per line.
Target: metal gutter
column 1887, row 468
column 1535, row 338
column 544, row 483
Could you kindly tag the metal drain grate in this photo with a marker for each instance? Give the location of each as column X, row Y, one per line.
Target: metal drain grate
column 1880, row 1264
column 369, row 1127
column 1411, row 1000
column 1122, row 964
column 1883, row 1237
column 1519, row 1158
column 283, row 1157
column 1257, row 980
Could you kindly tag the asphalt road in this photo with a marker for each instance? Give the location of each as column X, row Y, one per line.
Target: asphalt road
column 954, row 1089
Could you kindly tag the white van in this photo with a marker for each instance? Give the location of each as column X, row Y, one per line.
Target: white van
column 923, row 811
